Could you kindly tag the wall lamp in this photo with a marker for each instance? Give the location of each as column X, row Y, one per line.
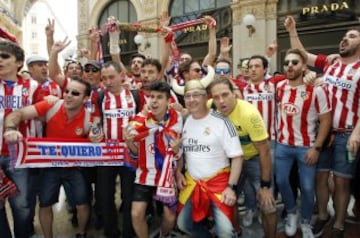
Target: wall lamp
column 249, row 21
column 139, row 41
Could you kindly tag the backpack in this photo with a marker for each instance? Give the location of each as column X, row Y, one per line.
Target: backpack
column 56, row 107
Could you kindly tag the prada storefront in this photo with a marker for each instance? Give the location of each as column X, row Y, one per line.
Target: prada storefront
column 321, row 24
column 192, row 39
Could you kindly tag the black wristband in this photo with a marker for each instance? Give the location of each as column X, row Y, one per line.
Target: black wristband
column 232, row 186
column 264, row 184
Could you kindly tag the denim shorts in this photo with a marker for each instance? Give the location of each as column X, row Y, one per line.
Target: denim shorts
column 334, row 159
column 53, row 178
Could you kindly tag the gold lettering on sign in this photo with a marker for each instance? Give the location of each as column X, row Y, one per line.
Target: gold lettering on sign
column 202, row 27
column 325, row 8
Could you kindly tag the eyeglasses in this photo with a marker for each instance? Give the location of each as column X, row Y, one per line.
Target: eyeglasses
column 293, row 62
column 73, row 93
column 197, row 70
column 194, row 96
column 4, row 55
column 222, row 71
column 94, row 70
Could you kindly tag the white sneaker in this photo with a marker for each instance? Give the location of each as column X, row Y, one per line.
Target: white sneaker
column 291, row 224
column 306, row 230
column 248, row 218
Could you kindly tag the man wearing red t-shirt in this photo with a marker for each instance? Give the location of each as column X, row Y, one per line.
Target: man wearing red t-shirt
column 65, row 119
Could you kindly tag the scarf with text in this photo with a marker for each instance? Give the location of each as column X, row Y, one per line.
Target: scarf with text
column 163, row 153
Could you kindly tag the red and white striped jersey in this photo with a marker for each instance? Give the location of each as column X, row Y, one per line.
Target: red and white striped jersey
column 117, row 111
column 262, row 96
column 147, row 172
column 12, row 97
column 298, row 110
column 343, row 83
column 48, row 87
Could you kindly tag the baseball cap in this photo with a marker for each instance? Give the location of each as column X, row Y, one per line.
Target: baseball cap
column 93, row 63
column 35, row 58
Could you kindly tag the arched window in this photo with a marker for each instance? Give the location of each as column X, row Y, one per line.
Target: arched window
column 124, row 11
column 183, row 7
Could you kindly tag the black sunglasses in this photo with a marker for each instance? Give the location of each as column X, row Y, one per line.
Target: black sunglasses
column 94, row 70
column 197, row 70
column 4, row 55
column 74, row 93
column 293, row 62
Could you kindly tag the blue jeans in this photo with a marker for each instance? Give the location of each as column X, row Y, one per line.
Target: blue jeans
column 19, row 204
column 249, row 181
column 223, row 226
column 285, row 156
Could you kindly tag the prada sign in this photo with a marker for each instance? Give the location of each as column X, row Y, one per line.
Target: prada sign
column 331, row 7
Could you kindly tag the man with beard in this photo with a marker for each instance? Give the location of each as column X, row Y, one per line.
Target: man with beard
column 303, row 123
column 342, row 78
column 254, row 141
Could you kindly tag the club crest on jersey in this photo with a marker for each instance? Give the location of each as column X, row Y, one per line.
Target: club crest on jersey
column 25, row 92
column 151, row 148
column 128, row 98
column 206, row 131
column 290, row 109
column 78, row 131
column 304, row 95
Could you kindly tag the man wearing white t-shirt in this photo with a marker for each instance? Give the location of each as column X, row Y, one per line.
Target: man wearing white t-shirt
column 209, row 140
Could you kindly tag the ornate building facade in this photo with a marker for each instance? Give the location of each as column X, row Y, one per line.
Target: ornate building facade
column 228, row 14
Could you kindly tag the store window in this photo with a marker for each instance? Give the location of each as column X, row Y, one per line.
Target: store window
column 196, row 41
column 124, row 11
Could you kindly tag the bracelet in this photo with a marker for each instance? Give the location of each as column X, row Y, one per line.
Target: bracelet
column 265, row 184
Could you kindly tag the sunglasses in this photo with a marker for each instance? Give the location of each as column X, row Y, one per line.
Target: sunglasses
column 4, row 55
column 94, row 70
column 194, row 96
column 223, row 71
column 197, row 70
column 73, row 93
column 293, row 62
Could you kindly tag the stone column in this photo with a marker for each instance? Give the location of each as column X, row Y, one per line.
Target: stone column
column 83, row 18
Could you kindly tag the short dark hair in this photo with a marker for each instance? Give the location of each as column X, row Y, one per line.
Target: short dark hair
column 265, row 62
column 83, row 82
column 220, row 80
column 69, row 62
column 298, row 52
column 152, row 61
column 184, row 67
column 137, row 55
column 222, row 60
column 116, row 65
column 161, row 86
column 13, row 49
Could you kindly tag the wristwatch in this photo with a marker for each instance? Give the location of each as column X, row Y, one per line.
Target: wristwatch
column 232, row 186
column 317, row 148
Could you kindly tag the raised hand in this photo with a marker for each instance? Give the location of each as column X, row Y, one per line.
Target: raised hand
column 58, row 46
column 50, row 28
